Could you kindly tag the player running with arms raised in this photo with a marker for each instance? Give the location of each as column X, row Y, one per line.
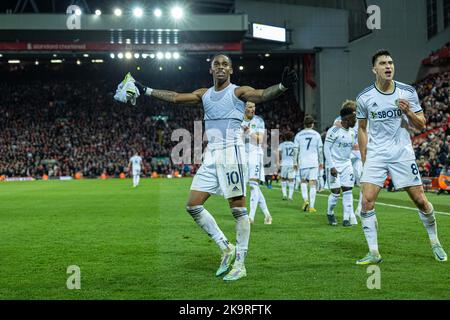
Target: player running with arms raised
column 223, row 167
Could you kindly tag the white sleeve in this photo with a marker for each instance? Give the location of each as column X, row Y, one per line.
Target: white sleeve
column 329, row 141
column 361, row 109
column 414, row 103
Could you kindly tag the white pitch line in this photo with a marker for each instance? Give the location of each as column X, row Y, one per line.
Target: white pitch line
column 383, row 204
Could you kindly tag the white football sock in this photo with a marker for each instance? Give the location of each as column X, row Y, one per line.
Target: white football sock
column 369, row 223
column 430, row 224
column 283, row 188
column 347, row 204
column 242, row 233
column 137, row 179
column 206, row 221
column 297, row 183
column 332, row 201
column 359, row 207
column 312, row 196
column 262, row 204
column 291, row 189
column 304, row 187
column 254, row 198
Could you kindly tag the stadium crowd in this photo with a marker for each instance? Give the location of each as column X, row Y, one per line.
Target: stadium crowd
column 63, row 127
column 60, row 128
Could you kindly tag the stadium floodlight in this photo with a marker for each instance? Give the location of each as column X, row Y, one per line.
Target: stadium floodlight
column 179, row 68
column 98, row 12
column 157, row 12
column 128, row 55
column 261, row 67
column 152, row 56
column 78, row 62
column 117, row 12
column 137, row 12
column 168, row 55
column 13, row 61
column 176, row 55
column 144, row 56
column 267, row 55
column 208, row 60
column 136, row 55
column 56, row 61
column 120, row 55
column 97, row 60
column 36, row 62
column 78, row 12
column 176, row 12
column 86, row 55
column 1, row 55
column 160, row 68
column 112, row 55
column 159, row 55
column 241, row 68
column 55, row 55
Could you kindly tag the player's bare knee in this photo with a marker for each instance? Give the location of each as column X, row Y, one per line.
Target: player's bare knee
column 367, row 204
column 237, row 202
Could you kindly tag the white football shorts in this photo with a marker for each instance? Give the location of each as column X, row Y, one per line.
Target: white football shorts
column 345, row 178
column 404, row 174
column 223, row 172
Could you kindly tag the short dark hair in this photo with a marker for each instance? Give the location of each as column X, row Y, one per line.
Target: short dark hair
column 345, row 111
column 309, row 120
column 288, row 136
column 222, row 54
column 379, row 53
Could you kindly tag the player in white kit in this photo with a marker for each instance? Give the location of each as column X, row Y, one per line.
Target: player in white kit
column 356, row 154
column 288, row 152
column 254, row 130
column 310, row 159
column 388, row 108
column 134, row 166
column 338, row 148
column 223, row 168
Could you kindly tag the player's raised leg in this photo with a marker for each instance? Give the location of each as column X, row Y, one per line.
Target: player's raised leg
column 369, row 223
column 207, row 222
column 426, row 214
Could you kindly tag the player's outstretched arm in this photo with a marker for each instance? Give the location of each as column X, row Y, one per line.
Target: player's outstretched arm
column 172, row 96
column 362, row 138
column 288, row 78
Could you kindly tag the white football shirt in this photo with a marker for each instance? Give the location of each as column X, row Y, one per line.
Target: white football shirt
column 338, row 147
column 136, row 162
column 388, row 136
column 255, row 125
column 309, row 143
column 287, row 150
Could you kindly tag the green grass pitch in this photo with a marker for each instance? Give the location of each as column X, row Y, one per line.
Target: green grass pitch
column 141, row 244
